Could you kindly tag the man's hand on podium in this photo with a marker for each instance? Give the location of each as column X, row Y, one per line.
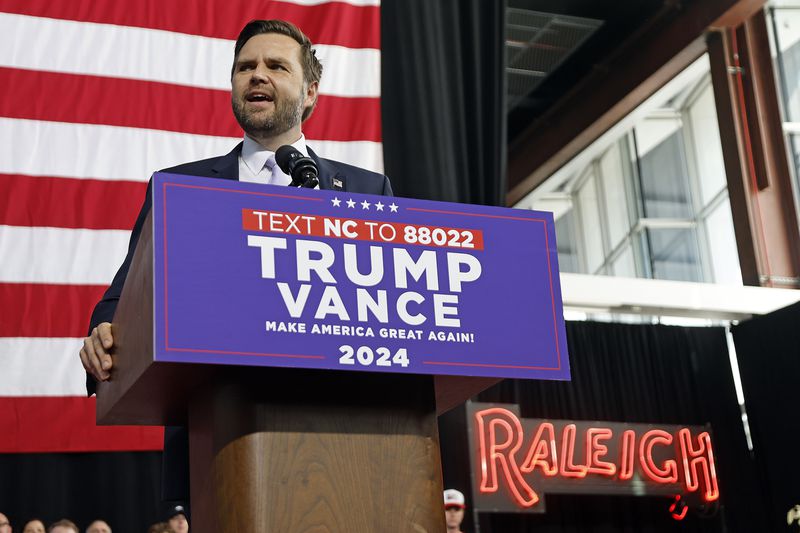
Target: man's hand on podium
column 95, row 354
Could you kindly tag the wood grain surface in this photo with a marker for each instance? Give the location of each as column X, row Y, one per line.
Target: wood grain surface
column 313, row 455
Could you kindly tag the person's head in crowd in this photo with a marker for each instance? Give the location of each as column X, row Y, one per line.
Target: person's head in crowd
column 63, row 526
column 274, row 81
column 793, row 519
column 160, row 527
column 34, row 526
column 5, row 524
column 177, row 520
column 98, row 526
column 454, row 505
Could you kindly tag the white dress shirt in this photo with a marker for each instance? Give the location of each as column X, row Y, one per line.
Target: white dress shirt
column 256, row 162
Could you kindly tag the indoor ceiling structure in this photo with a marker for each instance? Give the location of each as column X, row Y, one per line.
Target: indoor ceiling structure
column 576, row 67
column 552, row 44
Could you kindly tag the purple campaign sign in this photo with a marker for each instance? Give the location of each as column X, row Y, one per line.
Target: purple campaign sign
column 258, row 275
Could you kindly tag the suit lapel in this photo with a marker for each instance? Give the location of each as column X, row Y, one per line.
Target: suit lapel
column 227, row 166
column 329, row 177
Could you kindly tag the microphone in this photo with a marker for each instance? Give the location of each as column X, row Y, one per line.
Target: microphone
column 302, row 169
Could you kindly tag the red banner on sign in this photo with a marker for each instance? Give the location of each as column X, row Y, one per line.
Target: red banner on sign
column 361, row 230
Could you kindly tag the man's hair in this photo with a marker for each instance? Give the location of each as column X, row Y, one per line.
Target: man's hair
column 312, row 68
column 93, row 522
column 65, row 523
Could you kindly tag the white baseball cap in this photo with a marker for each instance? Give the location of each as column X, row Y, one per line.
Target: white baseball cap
column 454, row 498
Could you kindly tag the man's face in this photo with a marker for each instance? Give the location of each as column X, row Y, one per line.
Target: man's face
column 98, row 526
column 453, row 517
column 178, row 524
column 34, row 526
column 268, row 94
column 5, row 526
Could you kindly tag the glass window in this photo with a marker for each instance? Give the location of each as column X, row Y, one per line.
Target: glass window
column 795, row 140
column 787, row 40
column 625, row 264
column 590, row 224
column 707, row 146
column 565, row 237
column 652, row 202
column 722, row 245
column 674, row 254
column 616, row 202
column 664, row 175
column 785, row 25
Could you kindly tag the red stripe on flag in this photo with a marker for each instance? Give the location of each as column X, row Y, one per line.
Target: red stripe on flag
column 67, row 424
column 46, row 310
column 86, row 99
column 333, row 23
column 116, row 102
column 338, row 118
column 68, row 202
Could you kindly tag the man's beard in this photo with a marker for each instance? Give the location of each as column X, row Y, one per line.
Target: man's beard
column 287, row 114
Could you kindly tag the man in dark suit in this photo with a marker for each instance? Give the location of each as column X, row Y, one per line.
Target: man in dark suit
column 274, row 87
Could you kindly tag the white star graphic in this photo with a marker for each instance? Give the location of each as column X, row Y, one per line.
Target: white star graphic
column 351, row 203
column 379, row 206
column 393, row 207
column 365, row 205
column 336, row 202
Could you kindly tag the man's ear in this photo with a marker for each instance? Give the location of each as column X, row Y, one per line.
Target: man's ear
column 312, row 92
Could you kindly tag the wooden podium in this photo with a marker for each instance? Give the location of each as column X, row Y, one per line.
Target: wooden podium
column 280, row 450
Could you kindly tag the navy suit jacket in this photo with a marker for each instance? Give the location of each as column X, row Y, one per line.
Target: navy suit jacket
column 333, row 175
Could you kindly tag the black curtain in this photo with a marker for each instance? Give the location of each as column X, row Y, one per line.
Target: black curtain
column 628, row 373
column 768, row 349
column 443, row 99
column 122, row 488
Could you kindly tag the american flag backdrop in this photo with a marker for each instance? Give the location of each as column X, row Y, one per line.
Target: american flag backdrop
column 96, row 95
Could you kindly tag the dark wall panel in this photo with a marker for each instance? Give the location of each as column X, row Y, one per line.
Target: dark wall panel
column 768, row 349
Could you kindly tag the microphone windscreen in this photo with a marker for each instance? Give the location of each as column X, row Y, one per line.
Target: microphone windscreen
column 285, row 157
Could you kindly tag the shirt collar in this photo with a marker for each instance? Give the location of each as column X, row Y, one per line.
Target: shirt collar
column 255, row 156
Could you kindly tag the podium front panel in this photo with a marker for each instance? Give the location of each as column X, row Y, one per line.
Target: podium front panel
column 256, row 275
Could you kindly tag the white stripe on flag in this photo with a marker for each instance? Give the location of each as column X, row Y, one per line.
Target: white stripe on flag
column 350, row 71
column 131, row 154
column 55, row 45
column 60, row 256
column 63, row 149
column 41, row 367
